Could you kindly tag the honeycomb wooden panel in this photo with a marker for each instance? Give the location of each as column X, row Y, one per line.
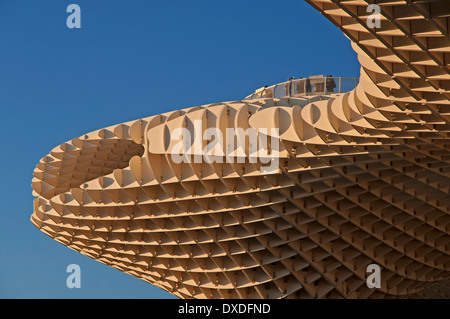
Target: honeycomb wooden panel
column 363, row 178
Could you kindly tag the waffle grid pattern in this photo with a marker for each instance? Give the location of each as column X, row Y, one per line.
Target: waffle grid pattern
column 363, row 179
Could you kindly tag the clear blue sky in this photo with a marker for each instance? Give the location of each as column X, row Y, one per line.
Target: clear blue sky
column 130, row 59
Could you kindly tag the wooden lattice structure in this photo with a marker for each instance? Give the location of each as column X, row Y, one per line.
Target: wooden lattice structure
column 363, row 179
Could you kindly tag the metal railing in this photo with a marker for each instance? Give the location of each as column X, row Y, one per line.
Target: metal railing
column 314, row 85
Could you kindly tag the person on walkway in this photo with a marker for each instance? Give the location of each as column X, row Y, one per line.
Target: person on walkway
column 308, row 86
column 301, row 86
column 331, row 84
column 267, row 92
